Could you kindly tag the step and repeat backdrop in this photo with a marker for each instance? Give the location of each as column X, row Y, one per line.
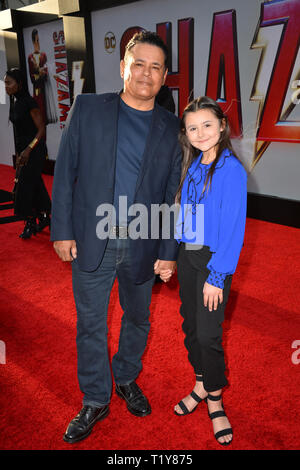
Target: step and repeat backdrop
column 245, row 54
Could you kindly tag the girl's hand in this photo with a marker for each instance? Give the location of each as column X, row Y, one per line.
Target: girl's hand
column 165, row 275
column 212, row 296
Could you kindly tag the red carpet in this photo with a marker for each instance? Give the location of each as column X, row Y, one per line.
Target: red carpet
column 38, row 383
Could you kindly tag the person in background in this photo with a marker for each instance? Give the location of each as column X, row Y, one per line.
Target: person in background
column 213, row 180
column 32, row 200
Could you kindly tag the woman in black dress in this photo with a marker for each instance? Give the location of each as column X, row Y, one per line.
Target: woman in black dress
column 32, row 201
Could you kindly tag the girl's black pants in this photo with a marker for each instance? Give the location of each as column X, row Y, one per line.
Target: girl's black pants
column 202, row 328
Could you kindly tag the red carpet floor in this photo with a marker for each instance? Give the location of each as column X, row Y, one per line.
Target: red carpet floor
column 38, row 384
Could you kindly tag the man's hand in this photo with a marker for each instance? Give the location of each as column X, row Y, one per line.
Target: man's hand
column 211, row 296
column 165, row 269
column 66, row 249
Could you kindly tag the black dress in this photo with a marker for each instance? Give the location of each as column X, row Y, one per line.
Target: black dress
column 31, row 197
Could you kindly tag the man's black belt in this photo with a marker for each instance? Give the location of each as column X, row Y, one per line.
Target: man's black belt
column 119, row 232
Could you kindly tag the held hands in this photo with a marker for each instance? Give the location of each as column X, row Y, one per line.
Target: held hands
column 211, row 296
column 165, row 269
column 65, row 249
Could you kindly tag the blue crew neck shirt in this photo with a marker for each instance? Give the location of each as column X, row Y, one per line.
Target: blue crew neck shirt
column 133, row 130
column 216, row 217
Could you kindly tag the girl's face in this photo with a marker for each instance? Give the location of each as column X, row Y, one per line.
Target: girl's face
column 203, row 130
column 11, row 86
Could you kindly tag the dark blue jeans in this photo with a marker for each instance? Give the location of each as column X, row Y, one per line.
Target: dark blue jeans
column 92, row 293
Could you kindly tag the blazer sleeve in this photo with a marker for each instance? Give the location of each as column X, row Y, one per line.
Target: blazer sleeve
column 65, row 176
column 168, row 249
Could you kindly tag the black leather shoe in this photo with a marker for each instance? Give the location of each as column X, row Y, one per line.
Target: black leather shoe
column 137, row 403
column 44, row 221
column 29, row 229
column 81, row 426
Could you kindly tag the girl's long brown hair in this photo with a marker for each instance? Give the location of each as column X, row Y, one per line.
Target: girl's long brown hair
column 189, row 153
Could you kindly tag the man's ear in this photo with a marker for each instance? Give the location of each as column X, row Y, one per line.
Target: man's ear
column 165, row 76
column 122, row 68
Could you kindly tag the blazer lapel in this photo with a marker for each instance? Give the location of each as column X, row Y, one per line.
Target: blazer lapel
column 156, row 132
column 109, row 118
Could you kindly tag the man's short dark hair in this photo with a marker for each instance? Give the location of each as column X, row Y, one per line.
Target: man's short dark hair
column 34, row 34
column 147, row 37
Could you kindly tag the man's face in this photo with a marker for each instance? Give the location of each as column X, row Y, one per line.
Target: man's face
column 36, row 44
column 144, row 73
column 11, row 85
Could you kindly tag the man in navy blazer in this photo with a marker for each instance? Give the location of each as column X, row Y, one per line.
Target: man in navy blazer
column 119, row 155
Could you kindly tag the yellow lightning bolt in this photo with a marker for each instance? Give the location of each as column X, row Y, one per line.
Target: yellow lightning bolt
column 266, row 39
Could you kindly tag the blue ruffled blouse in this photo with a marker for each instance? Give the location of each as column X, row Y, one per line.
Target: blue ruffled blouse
column 215, row 218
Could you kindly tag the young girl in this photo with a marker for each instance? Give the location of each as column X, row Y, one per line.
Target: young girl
column 214, row 179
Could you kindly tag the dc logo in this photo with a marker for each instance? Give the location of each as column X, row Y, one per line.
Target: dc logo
column 110, row 42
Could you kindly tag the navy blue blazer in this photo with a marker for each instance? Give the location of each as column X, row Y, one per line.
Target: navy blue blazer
column 85, row 173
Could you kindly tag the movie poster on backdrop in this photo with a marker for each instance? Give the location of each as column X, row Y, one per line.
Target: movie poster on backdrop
column 245, row 54
column 47, row 74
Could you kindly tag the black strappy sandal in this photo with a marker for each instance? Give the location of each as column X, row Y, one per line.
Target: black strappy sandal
column 194, row 395
column 219, row 414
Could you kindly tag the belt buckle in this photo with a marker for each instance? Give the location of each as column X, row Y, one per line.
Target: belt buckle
column 122, row 232
column 119, row 232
